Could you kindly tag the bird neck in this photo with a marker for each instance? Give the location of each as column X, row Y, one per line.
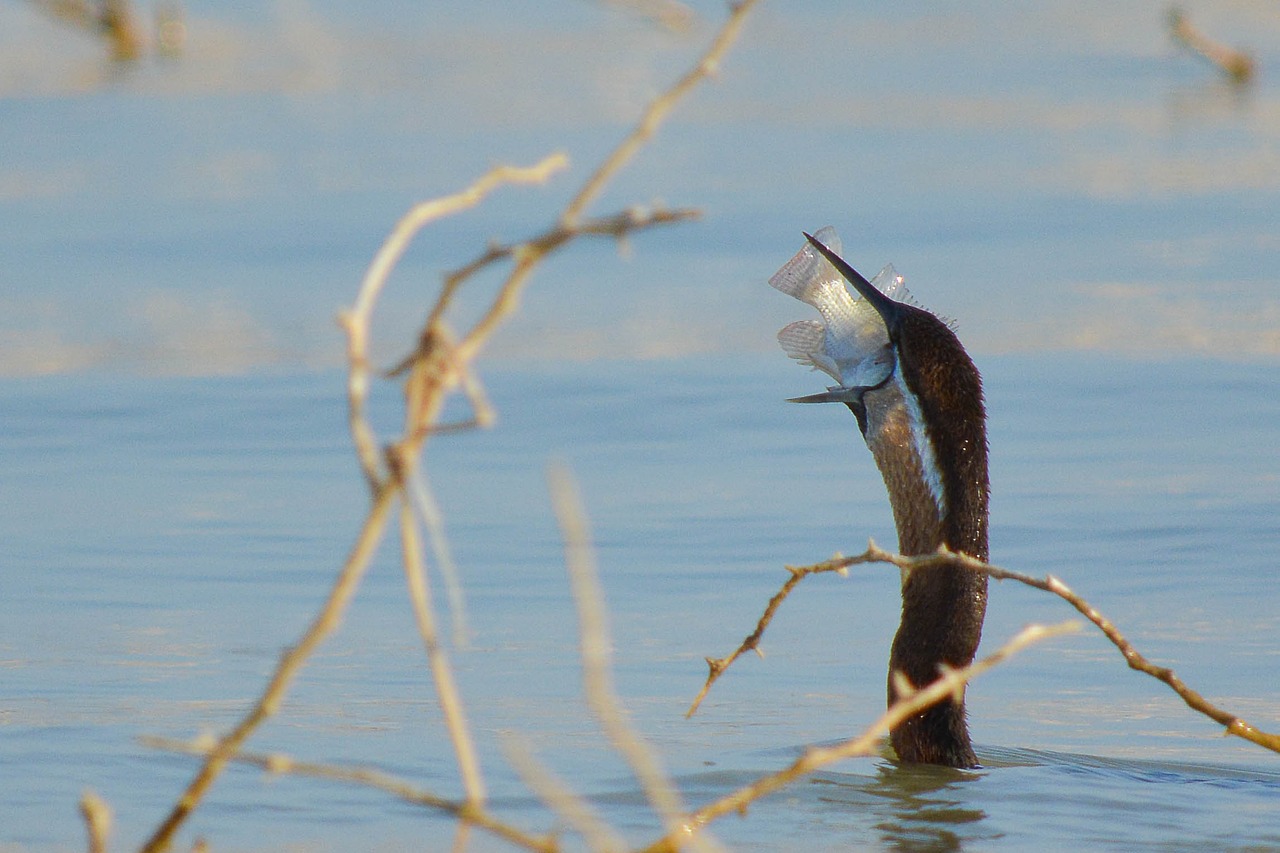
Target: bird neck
column 934, row 465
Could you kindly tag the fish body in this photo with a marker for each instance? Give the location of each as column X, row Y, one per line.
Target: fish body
column 851, row 343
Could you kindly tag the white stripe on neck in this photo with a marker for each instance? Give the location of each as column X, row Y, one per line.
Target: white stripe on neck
column 923, row 446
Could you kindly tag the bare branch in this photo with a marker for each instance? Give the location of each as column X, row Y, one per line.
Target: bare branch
column 596, row 644
column 97, row 821
column 436, row 368
column 529, row 254
column 655, row 113
column 290, row 663
column 875, row 554
column 815, row 758
column 467, row 811
column 1236, row 64
column 438, row 659
column 752, row 642
column 355, row 321
column 572, row 809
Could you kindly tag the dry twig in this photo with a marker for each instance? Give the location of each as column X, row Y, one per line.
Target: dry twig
column 355, row 322
column 752, row 642
column 875, row 554
column 1236, row 64
column 97, row 821
column 568, row 806
column 438, row 660
column 324, row 622
column 114, row 20
column 437, row 367
column 372, row 778
column 595, row 645
column 815, row 758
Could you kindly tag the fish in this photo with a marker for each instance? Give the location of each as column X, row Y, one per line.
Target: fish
column 851, row 343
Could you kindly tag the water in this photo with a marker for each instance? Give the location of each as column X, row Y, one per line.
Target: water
column 168, row 538
column 1095, row 209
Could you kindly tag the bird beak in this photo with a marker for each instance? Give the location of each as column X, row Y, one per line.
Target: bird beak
column 835, row 394
column 890, row 312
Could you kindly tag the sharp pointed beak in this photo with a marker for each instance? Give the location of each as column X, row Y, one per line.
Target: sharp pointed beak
column 889, row 311
column 832, row 395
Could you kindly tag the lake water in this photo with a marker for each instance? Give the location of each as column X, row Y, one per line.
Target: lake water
column 1096, row 210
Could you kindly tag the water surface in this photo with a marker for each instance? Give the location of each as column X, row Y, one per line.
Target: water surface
column 1094, row 208
column 170, row 537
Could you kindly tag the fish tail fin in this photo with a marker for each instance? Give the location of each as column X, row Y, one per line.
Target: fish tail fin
column 804, row 276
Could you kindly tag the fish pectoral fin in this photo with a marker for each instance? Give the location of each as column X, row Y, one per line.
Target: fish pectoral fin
column 834, row 394
column 805, row 341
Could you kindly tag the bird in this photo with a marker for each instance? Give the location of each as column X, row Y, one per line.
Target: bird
column 918, row 401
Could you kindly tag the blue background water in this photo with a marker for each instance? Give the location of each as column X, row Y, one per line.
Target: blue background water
column 1095, row 209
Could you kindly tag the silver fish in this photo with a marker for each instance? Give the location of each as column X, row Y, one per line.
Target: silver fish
column 851, row 345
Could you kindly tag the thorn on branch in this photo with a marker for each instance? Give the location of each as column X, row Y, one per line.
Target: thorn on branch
column 944, row 557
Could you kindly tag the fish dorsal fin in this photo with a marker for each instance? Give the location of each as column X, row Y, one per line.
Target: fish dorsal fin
column 894, row 286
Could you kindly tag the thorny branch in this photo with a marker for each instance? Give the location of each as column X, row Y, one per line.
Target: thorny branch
column 875, row 554
column 951, row 681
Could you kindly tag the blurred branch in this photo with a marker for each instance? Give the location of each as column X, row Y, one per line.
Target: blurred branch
column 440, row 364
column 112, row 19
column 97, row 819
column 595, row 645
column 815, row 758
column 619, row 225
column 944, row 558
column 355, row 321
column 369, row 777
column 568, row 806
column 671, row 15
column 324, row 622
column 656, row 112
column 1236, row 64
column 437, row 659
